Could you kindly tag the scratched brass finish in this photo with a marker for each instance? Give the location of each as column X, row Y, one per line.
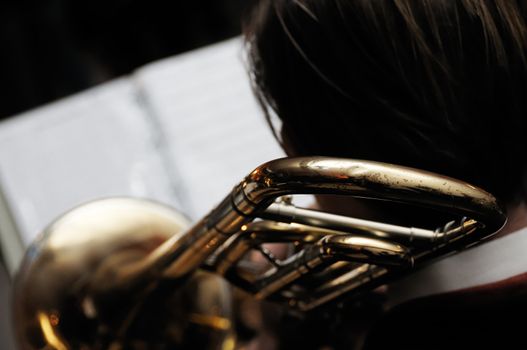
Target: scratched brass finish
column 128, row 274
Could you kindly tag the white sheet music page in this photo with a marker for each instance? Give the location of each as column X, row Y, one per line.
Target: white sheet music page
column 183, row 131
column 213, row 128
column 91, row 145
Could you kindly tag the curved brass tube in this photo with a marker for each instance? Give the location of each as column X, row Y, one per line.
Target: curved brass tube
column 128, row 274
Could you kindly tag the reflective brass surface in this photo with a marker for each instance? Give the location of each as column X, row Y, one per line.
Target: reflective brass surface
column 129, row 274
column 75, row 289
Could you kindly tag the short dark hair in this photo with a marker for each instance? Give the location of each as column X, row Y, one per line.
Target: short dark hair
column 439, row 85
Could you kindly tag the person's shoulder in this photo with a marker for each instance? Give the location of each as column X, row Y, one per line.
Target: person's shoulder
column 483, row 316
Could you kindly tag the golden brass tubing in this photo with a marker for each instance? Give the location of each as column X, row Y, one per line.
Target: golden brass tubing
column 124, row 273
column 367, row 275
column 366, row 179
column 361, row 277
column 265, row 231
column 329, row 250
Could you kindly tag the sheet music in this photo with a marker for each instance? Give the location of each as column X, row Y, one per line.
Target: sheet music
column 92, row 145
column 182, row 131
column 214, row 130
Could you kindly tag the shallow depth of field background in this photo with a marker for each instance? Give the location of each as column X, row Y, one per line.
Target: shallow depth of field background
column 53, row 48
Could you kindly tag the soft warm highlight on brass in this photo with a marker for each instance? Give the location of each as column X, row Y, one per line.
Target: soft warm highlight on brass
column 130, row 274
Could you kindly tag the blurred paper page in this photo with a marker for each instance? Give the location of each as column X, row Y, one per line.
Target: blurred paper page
column 213, row 128
column 95, row 144
column 182, row 131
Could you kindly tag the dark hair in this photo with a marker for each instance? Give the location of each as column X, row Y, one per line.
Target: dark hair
column 439, row 85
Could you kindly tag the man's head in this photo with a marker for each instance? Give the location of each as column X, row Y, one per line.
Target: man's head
column 434, row 84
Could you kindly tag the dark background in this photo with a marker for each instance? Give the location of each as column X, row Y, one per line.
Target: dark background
column 53, row 48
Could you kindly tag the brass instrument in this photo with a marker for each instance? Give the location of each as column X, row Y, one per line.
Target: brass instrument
column 128, row 274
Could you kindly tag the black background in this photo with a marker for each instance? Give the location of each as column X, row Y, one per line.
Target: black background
column 52, row 48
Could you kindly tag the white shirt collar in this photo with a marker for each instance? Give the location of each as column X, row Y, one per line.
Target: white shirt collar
column 490, row 262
